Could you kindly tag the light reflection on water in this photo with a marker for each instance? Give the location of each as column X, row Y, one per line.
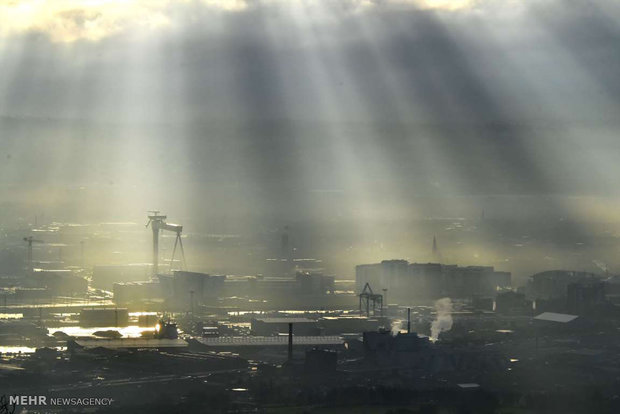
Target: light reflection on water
column 240, row 324
column 136, row 314
column 292, row 312
column 11, row 315
column 16, row 349
column 132, row 331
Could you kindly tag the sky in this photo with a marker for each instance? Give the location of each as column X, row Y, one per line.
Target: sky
column 357, row 109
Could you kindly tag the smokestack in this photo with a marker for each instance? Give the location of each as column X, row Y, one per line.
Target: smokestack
column 290, row 341
column 408, row 320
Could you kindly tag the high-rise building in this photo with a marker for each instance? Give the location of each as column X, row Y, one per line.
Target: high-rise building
column 430, row 280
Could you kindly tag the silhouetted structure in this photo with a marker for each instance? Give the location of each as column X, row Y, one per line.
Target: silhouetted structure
column 512, row 303
column 104, row 317
column 274, row 326
column 30, row 240
column 157, row 223
column 585, row 297
column 436, row 253
column 431, row 280
column 368, row 297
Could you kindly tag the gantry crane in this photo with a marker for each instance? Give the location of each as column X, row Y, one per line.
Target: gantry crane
column 367, row 297
column 31, row 240
column 158, row 222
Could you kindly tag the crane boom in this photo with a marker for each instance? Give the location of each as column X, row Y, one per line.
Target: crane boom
column 177, row 228
column 157, row 223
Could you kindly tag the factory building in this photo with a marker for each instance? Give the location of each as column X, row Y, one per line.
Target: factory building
column 275, row 326
column 135, row 292
column 553, row 284
column 404, row 280
column 574, row 292
column 310, row 342
column 314, row 283
column 473, row 281
column 328, row 325
column 200, row 287
column 23, row 295
column 59, row 282
column 585, row 297
column 389, row 274
column 335, row 325
column 103, row 317
column 285, row 267
column 384, row 342
column 127, row 343
column 104, row 277
column 182, row 289
column 304, row 283
column 612, row 288
column 513, row 303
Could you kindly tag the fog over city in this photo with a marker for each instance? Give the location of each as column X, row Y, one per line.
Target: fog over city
column 339, row 112
column 290, row 137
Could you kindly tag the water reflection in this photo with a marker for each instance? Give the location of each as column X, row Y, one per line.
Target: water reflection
column 16, row 350
column 132, row 331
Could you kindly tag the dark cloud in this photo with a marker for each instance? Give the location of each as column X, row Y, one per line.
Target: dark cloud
column 259, row 109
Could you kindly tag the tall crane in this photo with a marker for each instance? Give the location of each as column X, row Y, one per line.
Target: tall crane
column 158, row 222
column 31, row 240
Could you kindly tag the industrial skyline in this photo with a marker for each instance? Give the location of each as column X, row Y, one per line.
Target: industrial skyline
column 309, row 206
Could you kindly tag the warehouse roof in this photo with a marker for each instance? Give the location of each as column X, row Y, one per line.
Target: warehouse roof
column 281, row 340
column 555, row 317
column 285, row 320
column 122, row 343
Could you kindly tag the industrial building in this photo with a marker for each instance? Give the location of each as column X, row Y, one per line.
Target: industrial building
column 513, row 303
column 59, row 282
column 331, row 325
column 275, row 326
column 137, row 292
column 126, row 343
column 384, row 342
column 192, row 288
column 181, row 290
column 286, row 267
column 403, row 280
column 90, row 317
column 184, row 289
column 585, row 297
column 314, row 283
column 271, row 341
column 104, row 277
column 575, row 292
column 23, row 295
column 304, row 283
column 553, row 284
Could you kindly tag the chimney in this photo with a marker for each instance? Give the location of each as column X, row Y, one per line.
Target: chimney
column 408, row 320
column 290, row 341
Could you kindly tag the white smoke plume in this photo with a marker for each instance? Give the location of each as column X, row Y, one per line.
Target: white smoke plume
column 443, row 319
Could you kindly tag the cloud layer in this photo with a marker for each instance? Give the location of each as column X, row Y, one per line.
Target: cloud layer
column 273, row 105
column 71, row 20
